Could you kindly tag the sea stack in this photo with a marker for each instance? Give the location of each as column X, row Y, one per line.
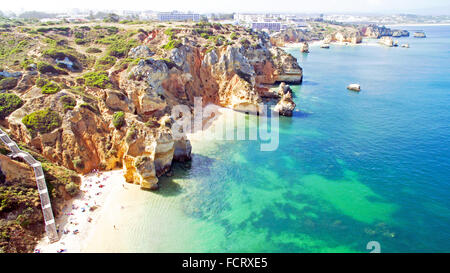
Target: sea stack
column 354, row 87
column 304, row 48
column 286, row 105
column 387, row 41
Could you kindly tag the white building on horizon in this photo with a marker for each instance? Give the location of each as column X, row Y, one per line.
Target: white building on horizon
column 271, row 26
column 178, row 16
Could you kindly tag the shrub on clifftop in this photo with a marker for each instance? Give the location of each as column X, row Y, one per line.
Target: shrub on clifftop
column 172, row 44
column 118, row 119
column 105, row 62
column 43, row 121
column 48, row 68
column 50, row 88
column 68, row 102
column 72, row 188
column 93, row 50
column 97, row 79
column 8, row 104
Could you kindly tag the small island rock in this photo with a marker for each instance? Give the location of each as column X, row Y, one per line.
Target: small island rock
column 354, row 87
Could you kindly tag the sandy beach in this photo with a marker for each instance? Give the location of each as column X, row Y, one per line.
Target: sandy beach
column 80, row 215
column 95, row 220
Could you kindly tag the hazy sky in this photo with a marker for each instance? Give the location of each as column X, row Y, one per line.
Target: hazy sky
column 204, row 6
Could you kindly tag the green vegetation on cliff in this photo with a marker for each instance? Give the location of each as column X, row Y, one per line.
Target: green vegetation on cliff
column 47, row 86
column 118, row 119
column 119, row 45
column 93, row 50
column 105, row 63
column 101, row 61
column 91, row 107
column 172, row 44
column 8, row 104
column 50, row 88
column 43, row 121
column 68, row 102
column 21, row 221
column 16, row 235
column 97, row 79
column 78, row 163
column 14, row 48
column 45, row 68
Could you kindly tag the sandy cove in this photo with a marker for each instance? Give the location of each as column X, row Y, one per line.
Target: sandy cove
column 80, row 214
column 89, row 221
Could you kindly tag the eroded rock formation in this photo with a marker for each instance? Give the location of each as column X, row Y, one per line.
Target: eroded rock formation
column 353, row 37
column 286, row 105
column 145, row 92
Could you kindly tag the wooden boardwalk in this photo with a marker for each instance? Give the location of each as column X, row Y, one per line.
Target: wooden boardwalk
column 50, row 226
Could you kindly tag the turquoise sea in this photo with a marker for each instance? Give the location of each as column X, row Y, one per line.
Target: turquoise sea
column 350, row 168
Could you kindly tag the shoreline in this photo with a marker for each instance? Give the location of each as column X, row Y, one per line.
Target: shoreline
column 95, row 229
column 418, row 25
column 366, row 42
column 116, row 212
column 80, row 215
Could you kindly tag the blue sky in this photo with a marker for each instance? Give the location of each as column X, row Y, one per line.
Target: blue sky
column 300, row 6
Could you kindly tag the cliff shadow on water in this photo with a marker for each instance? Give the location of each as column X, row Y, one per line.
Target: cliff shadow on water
column 182, row 170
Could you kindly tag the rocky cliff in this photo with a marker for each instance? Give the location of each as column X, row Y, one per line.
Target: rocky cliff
column 350, row 36
column 376, row 32
column 294, row 36
column 333, row 32
column 115, row 110
column 315, row 31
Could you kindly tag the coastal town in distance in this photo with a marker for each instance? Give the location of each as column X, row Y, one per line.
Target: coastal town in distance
column 160, row 131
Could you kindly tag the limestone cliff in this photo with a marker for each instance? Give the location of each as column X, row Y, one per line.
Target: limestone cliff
column 294, row 36
column 351, row 36
column 117, row 112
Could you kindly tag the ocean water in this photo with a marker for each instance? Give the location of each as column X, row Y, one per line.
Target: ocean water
column 350, row 167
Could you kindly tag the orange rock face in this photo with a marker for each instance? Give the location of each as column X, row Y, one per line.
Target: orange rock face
column 144, row 146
